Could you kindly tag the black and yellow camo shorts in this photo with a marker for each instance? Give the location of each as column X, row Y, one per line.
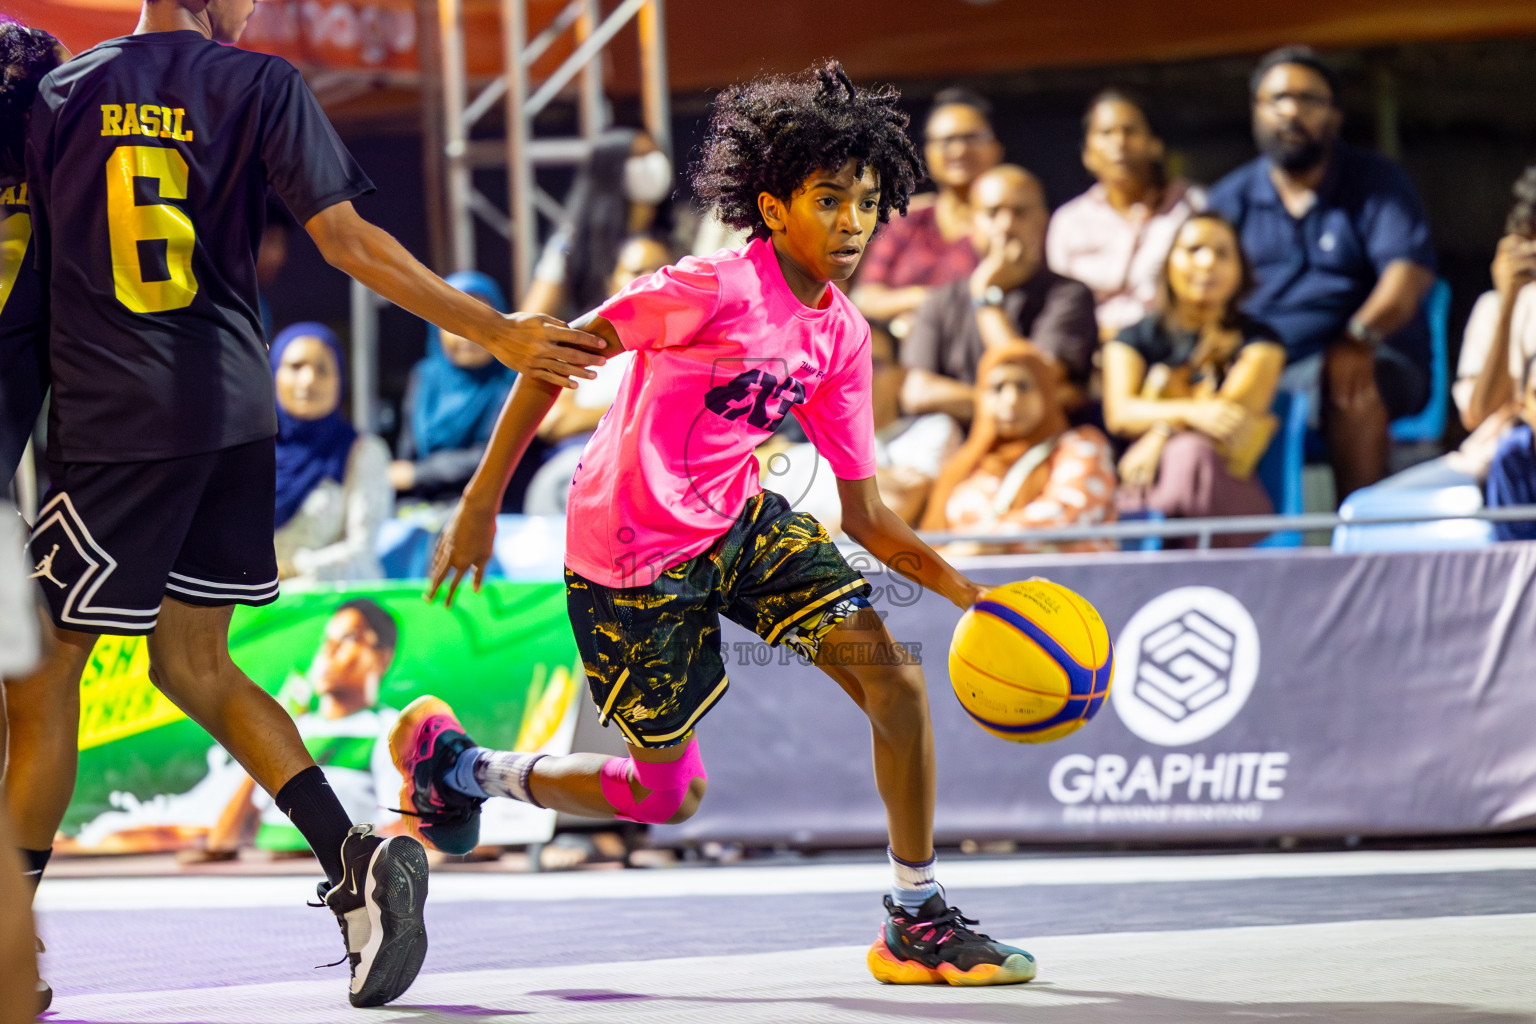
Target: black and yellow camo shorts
column 652, row 654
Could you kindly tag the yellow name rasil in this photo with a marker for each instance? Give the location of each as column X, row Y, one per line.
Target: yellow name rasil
column 15, row 195
column 149, row 119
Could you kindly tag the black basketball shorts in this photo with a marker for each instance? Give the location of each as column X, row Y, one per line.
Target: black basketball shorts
column 652, row 654
column 113, row 539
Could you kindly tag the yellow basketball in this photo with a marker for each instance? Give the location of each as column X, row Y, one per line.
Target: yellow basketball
column 1031, row 662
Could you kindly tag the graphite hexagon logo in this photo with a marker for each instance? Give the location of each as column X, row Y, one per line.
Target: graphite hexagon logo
column 1193, row 660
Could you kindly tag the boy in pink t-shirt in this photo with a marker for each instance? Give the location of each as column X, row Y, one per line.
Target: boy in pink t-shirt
column 668, row 528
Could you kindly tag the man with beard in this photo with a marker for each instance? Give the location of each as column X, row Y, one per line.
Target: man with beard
column 1342, row 261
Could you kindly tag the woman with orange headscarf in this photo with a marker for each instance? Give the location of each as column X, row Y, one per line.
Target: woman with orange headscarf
column 1023, row 467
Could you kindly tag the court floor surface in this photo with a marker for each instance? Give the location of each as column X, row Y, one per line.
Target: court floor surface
column 1401, row 937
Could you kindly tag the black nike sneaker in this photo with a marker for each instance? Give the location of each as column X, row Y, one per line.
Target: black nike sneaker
column 934, row 946
column 379, row 906
column 425, row 742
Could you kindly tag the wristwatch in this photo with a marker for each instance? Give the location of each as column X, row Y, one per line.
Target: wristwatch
column 1362, row 332
column 993, row 296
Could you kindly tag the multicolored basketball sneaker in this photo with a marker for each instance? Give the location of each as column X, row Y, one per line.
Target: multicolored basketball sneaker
column 425, row 742
column 934, row 946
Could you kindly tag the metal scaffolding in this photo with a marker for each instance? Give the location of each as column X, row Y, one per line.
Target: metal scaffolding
column 453, row 201
column 523, row 99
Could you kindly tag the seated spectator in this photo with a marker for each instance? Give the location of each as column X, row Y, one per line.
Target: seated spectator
column 1023, row 467
column 332, row 481
column 451, row 403
column 1512, row 476
column 1342, row 261
column 1115, row 236
column 931, row 245
column 1193, row 386
column 576, row 413
column 1011, row 296
column 909, row 454
column 624, row 189
column 1500, row 339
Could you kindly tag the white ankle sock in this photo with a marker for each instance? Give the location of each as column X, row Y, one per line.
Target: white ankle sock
column 914, row 881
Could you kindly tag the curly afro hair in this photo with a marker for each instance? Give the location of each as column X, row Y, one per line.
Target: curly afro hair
column 26, row 55
column 771, row 134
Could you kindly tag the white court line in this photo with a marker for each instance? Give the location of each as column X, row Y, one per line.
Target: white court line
column 1388, row 972
column 225, row 891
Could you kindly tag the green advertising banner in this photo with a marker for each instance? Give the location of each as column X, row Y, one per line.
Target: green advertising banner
column 504, row 659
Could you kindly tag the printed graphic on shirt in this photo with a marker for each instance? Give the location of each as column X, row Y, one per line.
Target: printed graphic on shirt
column 764, row 394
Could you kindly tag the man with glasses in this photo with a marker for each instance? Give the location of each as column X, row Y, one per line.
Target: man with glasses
column 931, row 245
column 1342, row 261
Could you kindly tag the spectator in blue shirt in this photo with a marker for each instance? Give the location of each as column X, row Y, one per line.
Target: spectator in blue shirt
column 1342, row 261
column 1512, row 477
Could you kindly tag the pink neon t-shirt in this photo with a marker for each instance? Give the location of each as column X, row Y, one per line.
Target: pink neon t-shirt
column 723, row 352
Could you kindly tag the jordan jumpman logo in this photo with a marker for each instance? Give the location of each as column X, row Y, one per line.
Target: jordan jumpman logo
column 44, row 569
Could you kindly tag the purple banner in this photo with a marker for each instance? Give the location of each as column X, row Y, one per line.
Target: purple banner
column 1256, row 693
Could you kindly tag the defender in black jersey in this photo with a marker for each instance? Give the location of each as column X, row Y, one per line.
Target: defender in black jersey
column 26, row 55
column 148, row 159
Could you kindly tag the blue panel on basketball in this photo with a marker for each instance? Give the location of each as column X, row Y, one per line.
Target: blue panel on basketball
column 1031, row 662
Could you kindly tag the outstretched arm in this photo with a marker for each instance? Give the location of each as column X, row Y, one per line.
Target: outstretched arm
column 465, row 543
column 536, row 346
column 886, row 536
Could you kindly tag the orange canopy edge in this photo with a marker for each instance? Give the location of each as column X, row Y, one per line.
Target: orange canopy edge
column 713, row 43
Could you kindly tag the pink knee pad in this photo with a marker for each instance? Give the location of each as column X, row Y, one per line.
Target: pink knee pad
column 668, row 782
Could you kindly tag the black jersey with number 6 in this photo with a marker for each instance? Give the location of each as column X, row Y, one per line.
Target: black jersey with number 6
column 149, row 158
column 23, row 329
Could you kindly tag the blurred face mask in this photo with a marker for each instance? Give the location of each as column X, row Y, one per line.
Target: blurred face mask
column 648, row 178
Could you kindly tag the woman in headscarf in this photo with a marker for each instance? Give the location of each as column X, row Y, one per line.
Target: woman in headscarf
column 1023, row 467
column 624, row 189
column 451, row 403
column 332, row 482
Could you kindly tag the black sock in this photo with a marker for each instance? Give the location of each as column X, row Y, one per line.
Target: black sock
column 311, row 805
column 36, row 860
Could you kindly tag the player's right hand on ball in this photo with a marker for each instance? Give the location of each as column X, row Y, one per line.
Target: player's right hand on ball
column 545, row 349
column 464, row 545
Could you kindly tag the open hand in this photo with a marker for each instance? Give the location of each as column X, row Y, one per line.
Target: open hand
column 464, row 545
column 968, row 592
column 545, row 349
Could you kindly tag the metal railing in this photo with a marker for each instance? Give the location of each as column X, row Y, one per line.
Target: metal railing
column 1205, row 529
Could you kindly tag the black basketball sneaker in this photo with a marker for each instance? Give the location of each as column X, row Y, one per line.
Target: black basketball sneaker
column 379, row 906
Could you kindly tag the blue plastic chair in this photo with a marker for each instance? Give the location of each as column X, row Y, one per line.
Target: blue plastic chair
column 1150, row 515
column 1428, row 424
column 1281, row 467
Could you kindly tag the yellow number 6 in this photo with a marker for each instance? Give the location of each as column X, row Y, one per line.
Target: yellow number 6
column 128, row 224
column 15, row 236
